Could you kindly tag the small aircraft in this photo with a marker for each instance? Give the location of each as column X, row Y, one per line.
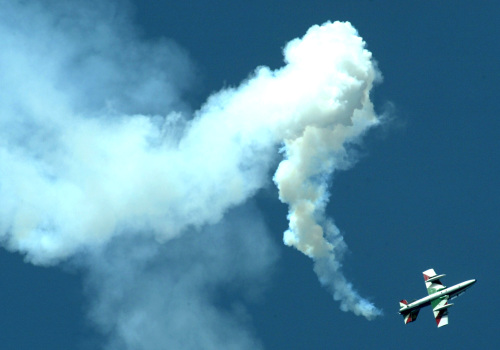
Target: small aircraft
column 438, row 298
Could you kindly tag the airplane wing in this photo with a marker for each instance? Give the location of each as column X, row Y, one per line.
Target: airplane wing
column 440, row 309
column 432, row 282
column 439, row 306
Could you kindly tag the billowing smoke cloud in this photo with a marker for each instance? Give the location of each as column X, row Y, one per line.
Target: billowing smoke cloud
column 97, row 149
column 77, row 164
column 340, row 113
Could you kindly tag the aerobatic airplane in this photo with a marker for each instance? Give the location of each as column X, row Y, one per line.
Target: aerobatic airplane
column 438, row 297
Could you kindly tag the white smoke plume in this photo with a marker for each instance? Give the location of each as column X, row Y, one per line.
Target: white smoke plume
column 97, row 147
column 340, row 113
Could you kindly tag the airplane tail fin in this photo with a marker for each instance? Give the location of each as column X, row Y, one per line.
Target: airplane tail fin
column 403, row 303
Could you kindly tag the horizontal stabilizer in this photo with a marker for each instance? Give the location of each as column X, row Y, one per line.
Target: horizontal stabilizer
column 403, row 303
column 411, row 316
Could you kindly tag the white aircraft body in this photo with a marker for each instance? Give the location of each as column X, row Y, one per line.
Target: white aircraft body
column 438, row 298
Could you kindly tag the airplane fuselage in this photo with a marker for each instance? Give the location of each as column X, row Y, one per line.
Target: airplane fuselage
column 451, row 292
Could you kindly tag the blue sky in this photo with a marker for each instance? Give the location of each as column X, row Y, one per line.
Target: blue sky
column 422, row 194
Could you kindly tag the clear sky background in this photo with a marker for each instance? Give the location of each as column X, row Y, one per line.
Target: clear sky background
column 424, row 194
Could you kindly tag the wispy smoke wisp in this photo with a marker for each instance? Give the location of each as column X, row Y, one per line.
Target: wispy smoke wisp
column 147, row 296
